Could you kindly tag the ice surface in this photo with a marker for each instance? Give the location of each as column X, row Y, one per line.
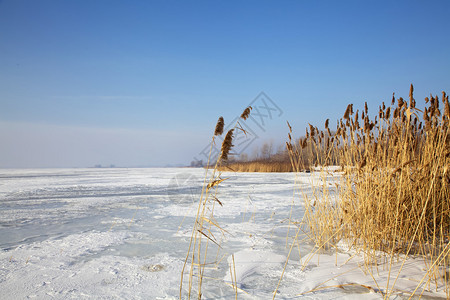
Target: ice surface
column 124, row 234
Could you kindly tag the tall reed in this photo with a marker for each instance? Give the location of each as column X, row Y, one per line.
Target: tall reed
column 206, row 233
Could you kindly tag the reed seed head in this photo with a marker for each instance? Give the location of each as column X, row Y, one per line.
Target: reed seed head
column 447, row 108
column 227, row 145
column 219, row 127
column 246, row 113
column 412, row 102
column 289, row 125
column 312, row 130
column 304, row 143
column 396, row 112
column 289, row 146
column 348, row 112
column 400, row 102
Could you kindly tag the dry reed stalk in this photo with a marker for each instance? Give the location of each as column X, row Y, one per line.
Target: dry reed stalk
column 206, row 231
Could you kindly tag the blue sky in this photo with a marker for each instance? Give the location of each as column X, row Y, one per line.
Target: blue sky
column 140, row 83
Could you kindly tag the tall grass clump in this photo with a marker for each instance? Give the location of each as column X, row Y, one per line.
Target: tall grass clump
column 393, row 196
column 205, row 242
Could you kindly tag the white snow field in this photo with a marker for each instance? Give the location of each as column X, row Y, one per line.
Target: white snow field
column 124, row 234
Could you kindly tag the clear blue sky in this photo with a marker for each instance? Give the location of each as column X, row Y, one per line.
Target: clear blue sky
column 136, row 83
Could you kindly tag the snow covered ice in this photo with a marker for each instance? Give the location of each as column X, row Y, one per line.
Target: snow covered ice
column 124, row 234
column 114, row 233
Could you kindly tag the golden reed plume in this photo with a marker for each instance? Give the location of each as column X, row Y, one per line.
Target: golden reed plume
column 219, row 126
column 246, row 113
column 227, row 145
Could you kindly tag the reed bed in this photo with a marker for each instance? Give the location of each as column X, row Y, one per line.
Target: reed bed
column 393, row 196
column 258, row 166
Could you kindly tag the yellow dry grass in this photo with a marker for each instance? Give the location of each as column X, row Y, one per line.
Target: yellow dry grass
column 394, row 196
column 257, row 166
